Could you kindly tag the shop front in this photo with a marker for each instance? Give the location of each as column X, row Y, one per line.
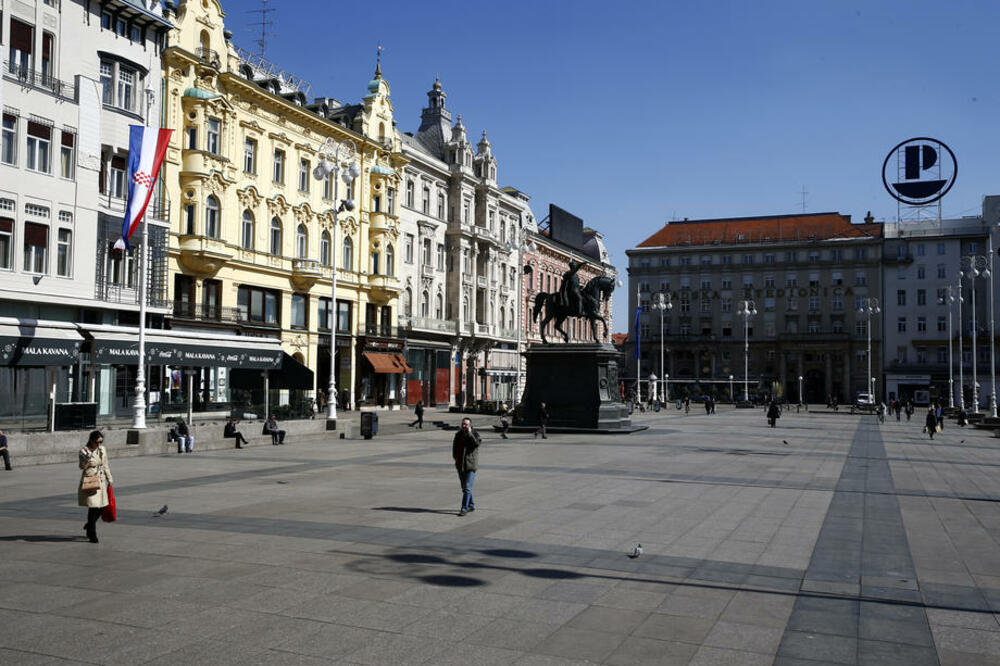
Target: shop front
column 381, row 367
column 429, row 382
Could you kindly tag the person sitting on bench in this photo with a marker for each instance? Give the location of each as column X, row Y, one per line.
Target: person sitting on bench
column 271, row 427
column 231, row 431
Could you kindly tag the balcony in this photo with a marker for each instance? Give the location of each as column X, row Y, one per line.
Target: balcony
column 205, row 313
column 305, row 273
column 379, row 221
column 466, row 278
column 484, row 234
column 158, row 209
column 39, row 81
column 485, row 330
column 508, row 333
column 381, row 330
column 429, row 324
column 427, row 271
column 209, row 57
column 898, row 259
column 384, row 287
column 202, row 255
column 481, row 281
column 203, row 162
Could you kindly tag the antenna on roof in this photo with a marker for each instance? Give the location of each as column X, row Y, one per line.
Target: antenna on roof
column 264, row 24
column 804, row 193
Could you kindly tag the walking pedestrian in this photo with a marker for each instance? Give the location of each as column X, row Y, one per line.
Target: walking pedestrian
column 899, row 410
column 930, row 423
column 880, row 412
column 418, row 411
column 504, row 420
column 687, row 405
column 4, row 453
column 465, row 453
column 92, row 493
column 773, row 414
column 230, row 431
column 543, row 421
column 939, row 414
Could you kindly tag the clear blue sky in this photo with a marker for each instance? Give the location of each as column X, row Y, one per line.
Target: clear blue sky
column 629, row 114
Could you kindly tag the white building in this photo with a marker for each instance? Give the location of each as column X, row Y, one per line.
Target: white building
column 461, row 235
column 76, row 74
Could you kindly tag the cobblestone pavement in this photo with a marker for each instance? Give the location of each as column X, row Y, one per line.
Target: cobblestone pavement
column 830, row 539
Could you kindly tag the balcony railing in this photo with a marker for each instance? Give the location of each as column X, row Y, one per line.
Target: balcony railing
column 158, row 209
column 209, row 57
column 205, row 312
column 39, row 81
column 428, row 324
column 381, row 330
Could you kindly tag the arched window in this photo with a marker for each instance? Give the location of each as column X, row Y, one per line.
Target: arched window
column 324, row 248
column 390, row 260
column 511, row 318
column 425, row 304
column 246, row 233
column 276, row 237
column 407, row 302
column 212, row 217
column 301, row 242
column 347, row 262
column 409, row 193
column 465, row 308
column 438, row 307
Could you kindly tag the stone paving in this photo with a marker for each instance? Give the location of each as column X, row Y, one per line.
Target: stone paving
column 830, row 539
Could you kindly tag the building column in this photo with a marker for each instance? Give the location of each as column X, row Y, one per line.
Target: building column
column 829, row 373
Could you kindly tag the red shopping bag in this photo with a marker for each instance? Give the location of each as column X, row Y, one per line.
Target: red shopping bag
column 110, row 513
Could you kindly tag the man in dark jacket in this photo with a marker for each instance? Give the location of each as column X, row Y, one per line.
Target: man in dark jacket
column 418, row 411
column 543, row 420
column 4, row 453
column 230, row 431
column 465, row 452
column 773, row 414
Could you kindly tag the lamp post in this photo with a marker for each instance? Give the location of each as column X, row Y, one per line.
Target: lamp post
column 993, row 362
column 527, row 245
column 662, row 303
column 951, row 364
column 974, row 266
column 800, row 389
column 746, row 310
column 731, row 399
column 961, row 351
column 869, row 307
column 666, row 387
column 652, row 386
column 333, row 156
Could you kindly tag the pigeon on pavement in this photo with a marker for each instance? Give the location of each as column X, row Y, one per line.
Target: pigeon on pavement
column 160, row 512
column 785, row 442
column 636, row 552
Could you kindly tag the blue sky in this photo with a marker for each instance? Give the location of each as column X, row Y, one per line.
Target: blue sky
column 630, row 114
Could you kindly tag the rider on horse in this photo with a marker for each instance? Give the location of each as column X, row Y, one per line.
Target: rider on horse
column 569, row 290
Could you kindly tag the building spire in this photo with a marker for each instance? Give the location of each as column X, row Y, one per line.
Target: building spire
column 378, row 61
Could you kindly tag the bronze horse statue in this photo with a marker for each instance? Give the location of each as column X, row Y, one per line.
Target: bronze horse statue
column 597, row 290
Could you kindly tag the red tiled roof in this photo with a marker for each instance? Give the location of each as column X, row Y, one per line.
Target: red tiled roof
column 769, row 229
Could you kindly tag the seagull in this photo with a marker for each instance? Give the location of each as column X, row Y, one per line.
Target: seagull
column 636, row 552
column 160, row 512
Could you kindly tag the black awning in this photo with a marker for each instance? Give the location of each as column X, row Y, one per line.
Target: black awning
column 291, row 375
column 30, row 345
column 164, row 349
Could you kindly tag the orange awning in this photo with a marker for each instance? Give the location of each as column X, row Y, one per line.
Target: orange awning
column 388, row 363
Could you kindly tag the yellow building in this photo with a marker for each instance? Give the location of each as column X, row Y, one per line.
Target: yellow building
column 253, row 233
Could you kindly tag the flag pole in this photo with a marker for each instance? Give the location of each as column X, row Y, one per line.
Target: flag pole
column 139, row 405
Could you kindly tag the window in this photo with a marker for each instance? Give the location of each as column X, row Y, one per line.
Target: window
column 439, row 309
column 67, row 155
column 768, row 258
column 135, row 34
column 409, row 194
column 246, row 231
column 838, row 325
column 942, row 354
column 791, row 303
column 861, row 327
column 376, row 260
column 747, row 258
column 813, row 325
column 116, row 182
column 212, row 217
column 860, row 278
column 769, row 282
column 121, row 268
column 279, row 167
column 791, row 280
column 941, row 271
column 192, row 137
column 8, row 144
column 425, row 204
column 426, row 253
column 942, row 323
column 838, row 255
column 440, row 261
column 6, row 243
column 121, row 27
column 324, row 248
column 921, row 250
column 706, row 260
column 21, row 36
column 301, row 242
column 258, row 305
column 813, row 303
column 706, row 284
column 189, row 219
column 300, row 306
column 900, row 297
column 212, row 136
column 106, row 21
column 791, row 257
column 814, row 280
column 901, row 324
column 940, row 248
column 107, row 82
column 838, row 302
column 837, row 279
column 275, row 237
column 390, row 260
column 408, row 249
column 921, row 297
column 39, row 146
column 685, row 261
column 921, row 324
column 425, row 305
column 942, row 296
column 328, row 186
column 973, row 247
column 465, row 212
column 706, row 305
column 390, row 201
column 901, row 354
column 347, row 261
column 814, row 256
column 861, row 253
column 921, row 272
column 126, row 88
column 343, row 316
column 250, row 156
column 36, row 243
column 440, row 207
column 685, row 302
column 304, row 175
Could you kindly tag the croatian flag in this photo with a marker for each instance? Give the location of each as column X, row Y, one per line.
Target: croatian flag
column 146, row 148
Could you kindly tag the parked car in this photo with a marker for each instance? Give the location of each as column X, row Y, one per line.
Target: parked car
column 865, row 400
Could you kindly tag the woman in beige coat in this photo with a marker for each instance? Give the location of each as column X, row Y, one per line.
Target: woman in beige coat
column 94, row 462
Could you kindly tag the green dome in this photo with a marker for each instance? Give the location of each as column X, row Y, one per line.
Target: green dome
column 198, row 93
column 373, row 85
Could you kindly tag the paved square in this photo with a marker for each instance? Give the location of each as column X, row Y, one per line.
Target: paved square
column 830, row 539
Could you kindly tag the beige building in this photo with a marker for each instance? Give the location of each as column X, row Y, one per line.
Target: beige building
column 253, row 237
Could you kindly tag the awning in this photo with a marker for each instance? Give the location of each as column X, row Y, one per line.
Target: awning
column 388, row 363
column 291, row 375
column 166, row 348
column 29, row 344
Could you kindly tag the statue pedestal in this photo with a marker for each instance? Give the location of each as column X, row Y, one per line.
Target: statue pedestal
column 579, row 384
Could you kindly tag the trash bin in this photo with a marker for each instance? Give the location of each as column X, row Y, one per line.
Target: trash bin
column 369, row 424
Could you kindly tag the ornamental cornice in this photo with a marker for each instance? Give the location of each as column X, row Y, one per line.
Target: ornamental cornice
column 278, row 206
column 249, row 197
column 280, row 138
column 349, row 226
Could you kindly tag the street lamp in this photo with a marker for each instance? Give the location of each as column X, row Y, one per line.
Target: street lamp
column 993, row 362
column 527, row 245
column 746, row 310
column 333, row 158
column 973, row 266
column 869, row 307
column 733, row 401
column 961, row 351
column 662, row 303
column 800, row 389
column 951, row 366
column 652, row 386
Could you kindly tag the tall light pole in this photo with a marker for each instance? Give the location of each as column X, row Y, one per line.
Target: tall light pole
column 746, row 310
column 951, row 365
column 663, row 304
column 800, row 389
column 638, row 376
column 993, row 361
column 333, row 158
column 731, row 399
column 527, row 245
column 974, row 266
column 869, row 307
column 961, row 351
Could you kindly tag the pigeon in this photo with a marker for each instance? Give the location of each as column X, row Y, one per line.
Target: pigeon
column 785, row 442
column 160, row 512
column 962, row 442
column 636, row 552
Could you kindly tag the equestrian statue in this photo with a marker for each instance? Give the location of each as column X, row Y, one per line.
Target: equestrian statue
column 572, row 301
